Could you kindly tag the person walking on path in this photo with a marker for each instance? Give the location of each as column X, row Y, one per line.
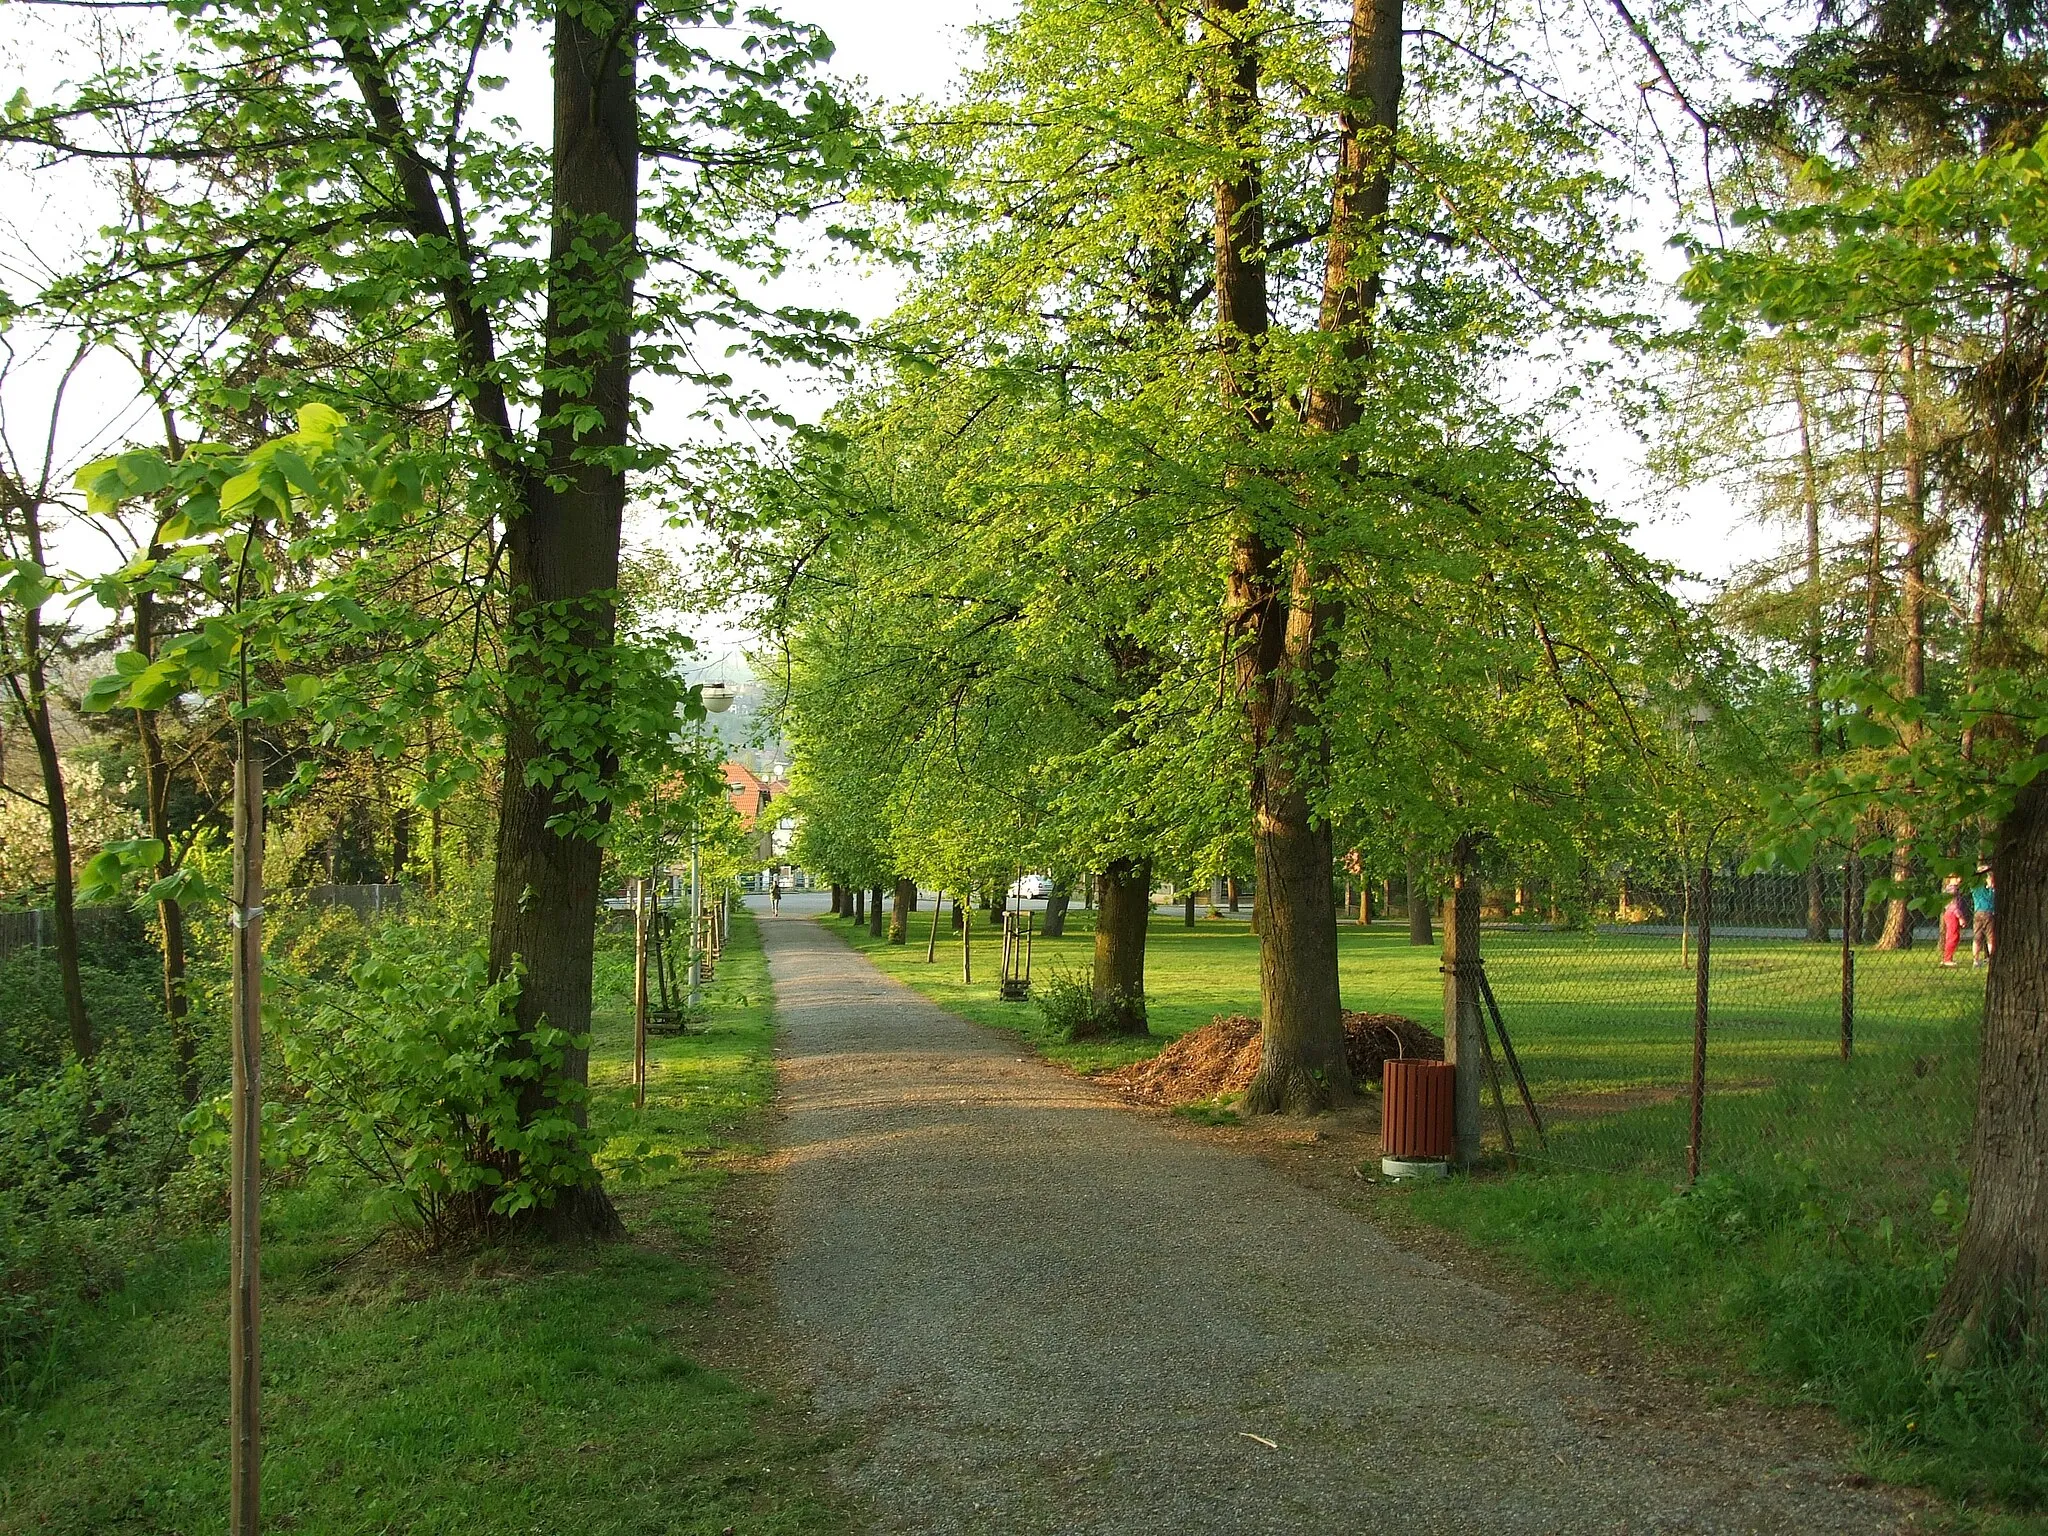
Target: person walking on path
column 1952, row 919
column 1984, row 925
column 774, row 898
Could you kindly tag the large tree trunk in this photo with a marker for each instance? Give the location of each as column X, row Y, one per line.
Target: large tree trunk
column 1056, row 903
column 859, row 911
column 170, row 914
column 562, row 550
column 1302, row 1065
column 1120, row 924
column 1998, row 1289
column 31, row 695
column 838, row 899
column 899, row 915
column 875, row 914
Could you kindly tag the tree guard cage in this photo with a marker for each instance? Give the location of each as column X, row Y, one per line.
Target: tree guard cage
column 667, row 1013
column 1016, row 981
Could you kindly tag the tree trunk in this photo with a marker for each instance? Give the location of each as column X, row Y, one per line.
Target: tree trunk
column 170, row 914
column 859, row 914
column 1231, row 886
column 875, row 914
column 899, row 916
column 998, row 900
column 959, row 915
column 1464, row 1028
column 1188, row 905
column 1121, row 919
column 1816, row 731
column 1418, row 908
column 1056, row 909
column 838, row 899
column 1899, row 918
column 1997, row 1291
column 1364, row 903
column 1285, row 652
column 34, row 702
column 562, row 551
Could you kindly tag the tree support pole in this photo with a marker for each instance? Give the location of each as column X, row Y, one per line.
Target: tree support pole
column 1699, row 1016
column 245, row 1363
column 640, row 992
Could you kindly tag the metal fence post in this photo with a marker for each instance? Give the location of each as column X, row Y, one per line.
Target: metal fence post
column 1699, row 1015
column 1848, row 961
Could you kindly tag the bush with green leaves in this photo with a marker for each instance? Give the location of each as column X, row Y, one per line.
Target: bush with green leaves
column 84, row 1152
column 407, row 1080
column 1070, row 1007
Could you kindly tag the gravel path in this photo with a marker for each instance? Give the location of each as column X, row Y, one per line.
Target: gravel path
column 1033, row 1310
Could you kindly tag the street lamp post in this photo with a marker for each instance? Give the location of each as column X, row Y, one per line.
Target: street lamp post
column 717, row 697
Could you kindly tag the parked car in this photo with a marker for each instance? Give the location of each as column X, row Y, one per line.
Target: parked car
column 1031, row 888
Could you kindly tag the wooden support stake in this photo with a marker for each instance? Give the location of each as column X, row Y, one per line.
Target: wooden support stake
column 931, row 948
column 967, row 946
column 1699, row 1017
column 1507, row 1049
column 245, row 1190
column 1500, row 1103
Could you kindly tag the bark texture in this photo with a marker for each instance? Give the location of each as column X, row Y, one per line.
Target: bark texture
column 899, row 916
column 1463, row 1025
column 562, row 547
column 170, row 915
column 1913, row 529
column 30, row 688
column 1997, row 1292
column 1056, row 904
column 1120, row 927
column 1419, row 929
column 1286, row 647
column 876, row 915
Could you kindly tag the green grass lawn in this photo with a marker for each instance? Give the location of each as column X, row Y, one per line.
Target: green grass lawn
column 512, row 1390
column 1803, row 1263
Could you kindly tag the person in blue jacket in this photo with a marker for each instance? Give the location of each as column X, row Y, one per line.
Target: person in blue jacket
column 1984, row 925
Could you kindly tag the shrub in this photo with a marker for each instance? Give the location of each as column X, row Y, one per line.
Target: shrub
column 408, row 1079
column 83, row 1153
column 1070, row 1008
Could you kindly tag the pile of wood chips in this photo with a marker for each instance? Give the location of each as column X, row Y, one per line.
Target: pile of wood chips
column 1222, row 1056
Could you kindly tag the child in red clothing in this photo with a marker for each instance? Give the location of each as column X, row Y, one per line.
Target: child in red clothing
column 1951, row 919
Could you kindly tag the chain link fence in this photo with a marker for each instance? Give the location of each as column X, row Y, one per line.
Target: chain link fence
column 1724, row 1024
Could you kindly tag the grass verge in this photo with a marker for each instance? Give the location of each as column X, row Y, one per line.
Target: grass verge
column 514, row 1389
column 1800, row 1268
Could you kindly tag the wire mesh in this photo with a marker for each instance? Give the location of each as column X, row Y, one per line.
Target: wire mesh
column 1603, row 1022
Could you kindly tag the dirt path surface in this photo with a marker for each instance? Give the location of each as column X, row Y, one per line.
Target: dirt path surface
column 1032, row 1310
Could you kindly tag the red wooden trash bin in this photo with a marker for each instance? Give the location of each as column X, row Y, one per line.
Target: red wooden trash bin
column 1416, row 1112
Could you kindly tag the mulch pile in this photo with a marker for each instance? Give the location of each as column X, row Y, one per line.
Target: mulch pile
column 1221, row 1057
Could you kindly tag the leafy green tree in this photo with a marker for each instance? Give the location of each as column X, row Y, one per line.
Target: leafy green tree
column 521, row 286
column 1952, row 253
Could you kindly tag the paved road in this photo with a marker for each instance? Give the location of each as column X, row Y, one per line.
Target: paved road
column 1036, row 1311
